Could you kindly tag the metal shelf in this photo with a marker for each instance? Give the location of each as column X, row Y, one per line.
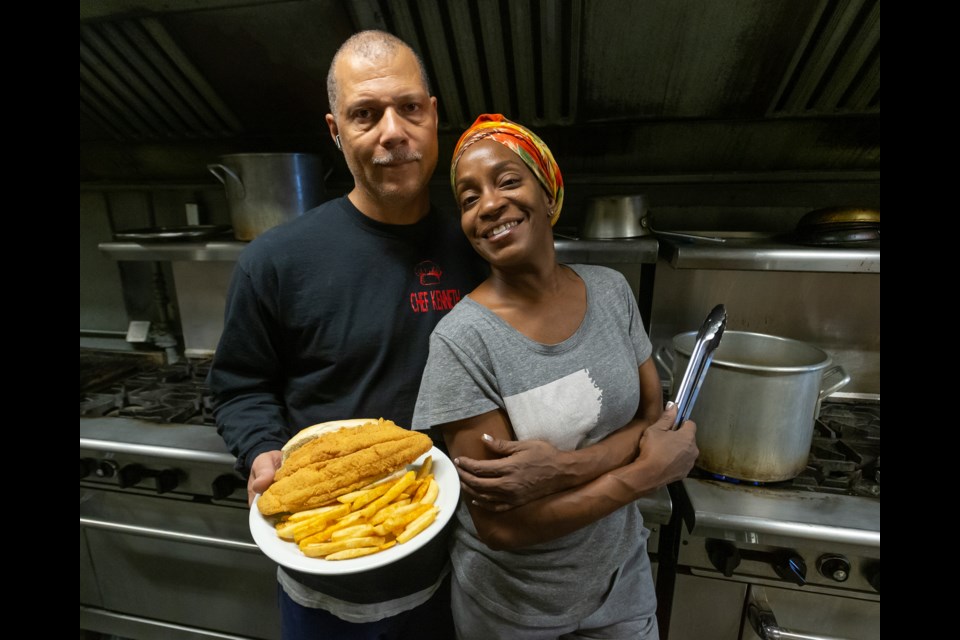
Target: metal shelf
column 766, row 253
column 640, row 250
column 629, row 251
column 227, row 251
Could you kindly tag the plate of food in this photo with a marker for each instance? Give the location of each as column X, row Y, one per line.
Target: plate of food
column 352, row 496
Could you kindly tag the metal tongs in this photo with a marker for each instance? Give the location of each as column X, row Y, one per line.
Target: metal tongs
column 708, row 339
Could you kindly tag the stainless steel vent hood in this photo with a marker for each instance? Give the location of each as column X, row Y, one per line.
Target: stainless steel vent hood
column 617, row 86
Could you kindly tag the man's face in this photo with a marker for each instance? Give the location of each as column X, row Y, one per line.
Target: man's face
column 387, row 124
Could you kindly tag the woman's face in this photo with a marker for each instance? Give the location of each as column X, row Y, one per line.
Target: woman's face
column 504, row 211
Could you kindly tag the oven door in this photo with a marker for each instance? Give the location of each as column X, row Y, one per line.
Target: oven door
column 730, row 609
column 783, row 614
column 171, row 568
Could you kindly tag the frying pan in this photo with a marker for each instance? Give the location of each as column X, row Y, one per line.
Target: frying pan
column 838, row 226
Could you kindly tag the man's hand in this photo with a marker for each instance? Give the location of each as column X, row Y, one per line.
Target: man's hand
column 261, row 473
column 525, row 471
column 672, row 453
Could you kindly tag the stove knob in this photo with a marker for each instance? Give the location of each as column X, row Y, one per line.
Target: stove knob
column 834, row 566
column 791, row 567
column 873, row 576
column 724, row 556
column 224, row 486
column 167, row 480
column 106, row 469
column 87, row 466
column 130, row 475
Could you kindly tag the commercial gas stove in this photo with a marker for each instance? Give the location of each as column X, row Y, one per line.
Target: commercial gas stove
column 799, row 557
column 165, row 546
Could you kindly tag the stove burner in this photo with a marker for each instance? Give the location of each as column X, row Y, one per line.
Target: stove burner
column 723, row 478
column 845, row 455
column 172, row 394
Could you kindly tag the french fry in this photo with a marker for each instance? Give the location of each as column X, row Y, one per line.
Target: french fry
column 389, row 510
column 369, row 496
column 418, row 525
column 356, row 531
column 422, row 485
column 389, row 496
column 309, row 513
column 347, row 554
column 432, row 492
column 396, row 524
column 425, row 468
column 323, row 549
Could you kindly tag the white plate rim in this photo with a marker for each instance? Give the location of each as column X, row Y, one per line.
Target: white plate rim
column 288, row 555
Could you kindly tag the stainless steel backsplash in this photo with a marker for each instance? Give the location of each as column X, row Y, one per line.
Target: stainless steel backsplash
column 838, row 312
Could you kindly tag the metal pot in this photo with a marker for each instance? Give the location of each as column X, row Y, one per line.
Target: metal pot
column 266, row 189
column 615, row 217
column 756, row 410
column 623, row 217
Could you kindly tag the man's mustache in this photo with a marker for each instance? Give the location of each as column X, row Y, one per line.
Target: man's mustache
column 398, row 156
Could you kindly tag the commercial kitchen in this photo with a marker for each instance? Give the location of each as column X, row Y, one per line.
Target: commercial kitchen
column 713, row 152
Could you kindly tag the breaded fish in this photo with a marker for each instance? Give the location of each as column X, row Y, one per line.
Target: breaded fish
column 348, row 459
column 339, row 443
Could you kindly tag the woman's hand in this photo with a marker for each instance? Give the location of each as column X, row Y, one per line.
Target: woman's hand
column 522, row 472
column 671, row 453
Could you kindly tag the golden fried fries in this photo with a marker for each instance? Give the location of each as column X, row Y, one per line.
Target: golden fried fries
column 366, row 521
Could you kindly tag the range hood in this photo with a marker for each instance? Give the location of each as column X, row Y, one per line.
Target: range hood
column 616, row 87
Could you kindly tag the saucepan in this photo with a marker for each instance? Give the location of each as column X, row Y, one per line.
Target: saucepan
column 622, row 217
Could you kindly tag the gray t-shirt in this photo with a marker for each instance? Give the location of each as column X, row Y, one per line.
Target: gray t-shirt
column 571, row 394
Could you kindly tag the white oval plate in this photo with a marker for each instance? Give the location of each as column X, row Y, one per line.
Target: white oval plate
column 287, row 553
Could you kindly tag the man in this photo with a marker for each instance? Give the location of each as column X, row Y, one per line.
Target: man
column 329, row 315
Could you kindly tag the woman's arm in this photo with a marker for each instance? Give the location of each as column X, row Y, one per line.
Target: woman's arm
column 501, row 473
column 665, row 456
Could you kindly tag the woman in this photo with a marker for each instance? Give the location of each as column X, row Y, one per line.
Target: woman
column 543, row 351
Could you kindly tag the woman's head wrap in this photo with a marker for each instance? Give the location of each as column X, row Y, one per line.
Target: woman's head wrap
column 523, row 142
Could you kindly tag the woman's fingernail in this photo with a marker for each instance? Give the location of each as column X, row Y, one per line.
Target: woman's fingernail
column 488, row 437
column 670, row 404
column 456, row 461
column 475, row 503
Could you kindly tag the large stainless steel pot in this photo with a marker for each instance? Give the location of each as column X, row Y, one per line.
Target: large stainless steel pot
column 756, row 410
column 266, row 189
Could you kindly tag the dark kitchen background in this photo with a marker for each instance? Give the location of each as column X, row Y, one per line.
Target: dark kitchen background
column 740, row 115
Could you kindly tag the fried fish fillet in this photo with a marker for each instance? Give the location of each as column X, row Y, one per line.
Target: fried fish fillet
column 345, row 461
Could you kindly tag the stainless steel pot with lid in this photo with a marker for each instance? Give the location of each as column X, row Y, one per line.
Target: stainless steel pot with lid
column 755, row 413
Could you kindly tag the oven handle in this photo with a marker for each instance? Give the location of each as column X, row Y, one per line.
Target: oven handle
column 764, row 622
column 168, row 535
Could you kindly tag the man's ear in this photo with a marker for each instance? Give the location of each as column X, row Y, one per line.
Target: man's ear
column 334, row 130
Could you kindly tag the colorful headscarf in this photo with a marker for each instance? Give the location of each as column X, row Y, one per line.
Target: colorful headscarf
column 523, row 142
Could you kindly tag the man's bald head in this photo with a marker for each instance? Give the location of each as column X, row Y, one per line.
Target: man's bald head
column 373, row 46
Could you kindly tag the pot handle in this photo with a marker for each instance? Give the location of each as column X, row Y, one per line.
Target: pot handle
column 216, row 168
column 834, row 371
column 665, row 358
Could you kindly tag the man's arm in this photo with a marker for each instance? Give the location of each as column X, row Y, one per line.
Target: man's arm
column 511, row 473
column 244, row 377
column 664, row 456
